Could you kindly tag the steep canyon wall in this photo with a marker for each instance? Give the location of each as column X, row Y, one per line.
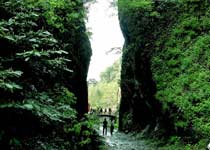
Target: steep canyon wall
column 165, row 66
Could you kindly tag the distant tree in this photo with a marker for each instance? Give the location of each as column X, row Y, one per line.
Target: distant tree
column 105, row 92
column 111, row 73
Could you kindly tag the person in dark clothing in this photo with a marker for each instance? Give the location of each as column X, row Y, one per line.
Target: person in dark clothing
column 110, row 111
column 100, row 111
column 105, row 127
column 112, row 127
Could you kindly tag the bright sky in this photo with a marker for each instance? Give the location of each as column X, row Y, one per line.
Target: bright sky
column 106, row 34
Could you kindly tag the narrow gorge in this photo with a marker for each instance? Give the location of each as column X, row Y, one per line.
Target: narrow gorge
column 165, row 75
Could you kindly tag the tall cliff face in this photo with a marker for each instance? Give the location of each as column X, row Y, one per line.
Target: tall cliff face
column 77, row 44
column 80, row 56
column 164, row 77
column 141, row 25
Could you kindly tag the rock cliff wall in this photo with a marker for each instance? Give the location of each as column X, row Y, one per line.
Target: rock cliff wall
column 165, row 68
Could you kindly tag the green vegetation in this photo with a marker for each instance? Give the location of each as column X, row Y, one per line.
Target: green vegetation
column 44, row 59
column 184, row 67
column 39, row 56
column 105, row 93
column 170, row 38
column 128, row 5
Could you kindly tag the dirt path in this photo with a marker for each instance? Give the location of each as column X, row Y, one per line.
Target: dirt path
column 122, row 141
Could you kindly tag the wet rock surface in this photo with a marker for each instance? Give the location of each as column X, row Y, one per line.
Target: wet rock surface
column 122, row 141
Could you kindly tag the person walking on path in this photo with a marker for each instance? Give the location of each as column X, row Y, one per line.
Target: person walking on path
column 105, row 127
column 112, row 127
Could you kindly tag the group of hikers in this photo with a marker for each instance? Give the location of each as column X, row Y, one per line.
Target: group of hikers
column 105, row 111
column 100, row 110
column 105, row 124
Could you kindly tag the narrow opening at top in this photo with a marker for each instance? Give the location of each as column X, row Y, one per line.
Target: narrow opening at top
column 106, row 41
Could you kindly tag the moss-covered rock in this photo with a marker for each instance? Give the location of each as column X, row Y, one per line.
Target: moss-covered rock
column 165, row 66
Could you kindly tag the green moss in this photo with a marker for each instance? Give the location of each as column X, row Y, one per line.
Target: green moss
column 134, row 4
column 183, row 66
column 174, row 37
